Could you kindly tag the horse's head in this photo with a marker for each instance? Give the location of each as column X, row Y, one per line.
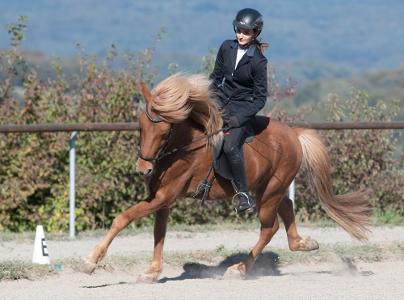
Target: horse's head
column 154, row 135
column 174, row 100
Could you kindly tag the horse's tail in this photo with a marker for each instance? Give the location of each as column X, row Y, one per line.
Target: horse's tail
column 351, row 211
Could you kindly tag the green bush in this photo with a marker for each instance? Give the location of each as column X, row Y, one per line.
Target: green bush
column 360, row 158
column 34, row 167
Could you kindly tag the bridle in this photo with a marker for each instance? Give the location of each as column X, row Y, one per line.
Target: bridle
column 163, row 152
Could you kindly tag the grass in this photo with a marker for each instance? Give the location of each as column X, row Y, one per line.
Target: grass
column 388, row 217
column 14, row 270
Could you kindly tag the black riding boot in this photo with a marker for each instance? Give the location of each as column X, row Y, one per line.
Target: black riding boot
column 245, row 202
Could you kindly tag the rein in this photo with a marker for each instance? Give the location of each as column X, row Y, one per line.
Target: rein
column 163, row 152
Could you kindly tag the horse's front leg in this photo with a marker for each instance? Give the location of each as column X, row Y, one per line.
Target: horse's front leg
column 135, row 212
column 156, row 266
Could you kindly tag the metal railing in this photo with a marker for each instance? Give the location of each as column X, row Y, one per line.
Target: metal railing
column 35, row 128
column 74, row 128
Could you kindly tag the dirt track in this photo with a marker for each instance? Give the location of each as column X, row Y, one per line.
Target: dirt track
column 338, row 279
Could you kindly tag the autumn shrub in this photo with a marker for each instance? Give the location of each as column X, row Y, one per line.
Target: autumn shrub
column 34, row 167
column 361, row 159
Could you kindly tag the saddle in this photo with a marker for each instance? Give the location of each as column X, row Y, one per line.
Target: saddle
column 220, row 165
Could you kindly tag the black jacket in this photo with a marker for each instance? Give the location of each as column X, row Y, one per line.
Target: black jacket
column 242, row 92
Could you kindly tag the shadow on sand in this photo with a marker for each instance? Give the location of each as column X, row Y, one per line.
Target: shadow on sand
column 266, row 265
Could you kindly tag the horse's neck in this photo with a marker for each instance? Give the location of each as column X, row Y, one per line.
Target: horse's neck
column 186, row 132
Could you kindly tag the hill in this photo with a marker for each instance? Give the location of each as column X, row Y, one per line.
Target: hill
column 362, row 35
column 384, row 85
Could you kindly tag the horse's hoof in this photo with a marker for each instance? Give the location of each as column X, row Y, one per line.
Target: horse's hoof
column 147, row 278
column 306, row 244
column 87, row 266
column 234, row 272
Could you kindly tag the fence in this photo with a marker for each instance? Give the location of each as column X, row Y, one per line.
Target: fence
column 36, row 128
column 74, row 128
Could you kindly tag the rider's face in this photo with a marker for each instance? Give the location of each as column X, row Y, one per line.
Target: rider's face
column 244, row 36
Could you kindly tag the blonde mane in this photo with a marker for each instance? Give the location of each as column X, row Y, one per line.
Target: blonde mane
column 180, row 97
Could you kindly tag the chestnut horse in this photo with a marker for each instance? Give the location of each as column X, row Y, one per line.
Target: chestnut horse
column 178, row 128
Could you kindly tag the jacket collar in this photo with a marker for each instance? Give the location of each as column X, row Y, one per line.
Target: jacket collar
column 250, row 50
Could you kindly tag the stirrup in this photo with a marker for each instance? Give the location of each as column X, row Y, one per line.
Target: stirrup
column 203, row 188
column 245, row 203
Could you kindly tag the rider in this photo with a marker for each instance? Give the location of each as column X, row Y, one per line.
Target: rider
column 239, row 79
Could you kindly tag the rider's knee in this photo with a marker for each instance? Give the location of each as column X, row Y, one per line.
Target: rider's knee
column 232, row 151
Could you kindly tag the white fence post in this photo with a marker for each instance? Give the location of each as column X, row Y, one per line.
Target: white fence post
column 72, row 196
column 292, row 193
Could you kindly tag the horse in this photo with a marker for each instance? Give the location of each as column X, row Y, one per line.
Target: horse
column 179, row 127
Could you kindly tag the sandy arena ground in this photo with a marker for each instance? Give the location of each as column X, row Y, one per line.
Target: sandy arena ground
column 337, row 280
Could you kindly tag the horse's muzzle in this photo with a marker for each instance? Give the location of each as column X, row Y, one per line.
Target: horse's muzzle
column 144, row 167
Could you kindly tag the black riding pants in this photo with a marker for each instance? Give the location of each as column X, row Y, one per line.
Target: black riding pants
column 233, row 150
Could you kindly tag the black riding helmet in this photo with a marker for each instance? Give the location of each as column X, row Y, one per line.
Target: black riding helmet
column 249, row 18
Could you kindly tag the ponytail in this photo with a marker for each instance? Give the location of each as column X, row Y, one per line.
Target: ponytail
column 262, row 46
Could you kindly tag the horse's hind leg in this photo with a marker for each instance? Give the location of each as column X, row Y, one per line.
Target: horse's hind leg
column 296, row 242
column 156, row 266
column 137, row 211
column 270, row 201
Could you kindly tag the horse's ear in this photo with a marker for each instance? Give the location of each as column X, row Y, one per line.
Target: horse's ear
column 145, row 91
